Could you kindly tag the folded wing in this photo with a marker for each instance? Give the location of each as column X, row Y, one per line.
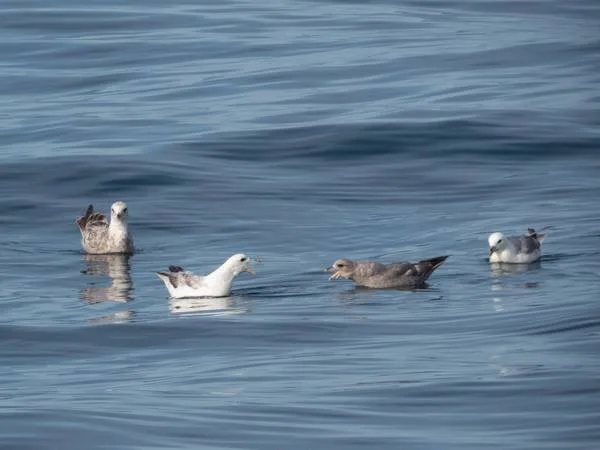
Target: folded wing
column 90, row 219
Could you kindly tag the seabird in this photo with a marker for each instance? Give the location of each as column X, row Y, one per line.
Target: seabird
column 182, row 284
column 523, row 249
column 377, row 275
column 100, row 237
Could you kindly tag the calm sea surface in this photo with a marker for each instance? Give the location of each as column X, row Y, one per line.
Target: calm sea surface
column 300, row 132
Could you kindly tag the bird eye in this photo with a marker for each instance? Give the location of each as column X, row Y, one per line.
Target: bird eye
column 499, row 240
column 340, row 265
column 125, row 210
column 243, row 259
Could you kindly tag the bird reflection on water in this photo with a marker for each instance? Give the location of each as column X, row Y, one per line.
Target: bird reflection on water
column 219, row 306
column 117, row 268
column 499, row 269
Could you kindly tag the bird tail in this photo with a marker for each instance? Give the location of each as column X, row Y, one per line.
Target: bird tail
column 170, row 278
column 429, row 265
column 164, row 276
column 169, row 281
column 534, row 234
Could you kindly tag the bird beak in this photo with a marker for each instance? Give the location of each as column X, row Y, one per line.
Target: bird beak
column 249, row 268
column 492, row 249
column 335, row 274
column 119, row 215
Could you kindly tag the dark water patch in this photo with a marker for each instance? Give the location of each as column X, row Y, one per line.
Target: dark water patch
column 434, row 140
column 568, row 325
column 21, row 343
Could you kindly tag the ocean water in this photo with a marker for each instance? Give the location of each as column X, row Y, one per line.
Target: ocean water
column 300, row 132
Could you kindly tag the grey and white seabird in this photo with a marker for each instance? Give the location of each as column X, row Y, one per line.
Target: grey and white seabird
column 522, row 249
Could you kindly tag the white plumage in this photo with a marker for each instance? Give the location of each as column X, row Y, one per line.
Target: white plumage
column 182, row 284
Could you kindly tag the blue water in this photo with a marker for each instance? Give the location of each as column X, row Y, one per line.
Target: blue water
column 300, row 132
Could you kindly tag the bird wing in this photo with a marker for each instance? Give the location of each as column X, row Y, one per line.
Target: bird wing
column 178, row 277
column 394, row 270
column 524, row 244
column 92, row 218
column 403, row 269
column 409, row 271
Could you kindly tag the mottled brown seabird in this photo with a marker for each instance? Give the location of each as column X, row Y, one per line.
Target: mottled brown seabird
column 100, row 237
column 377, row 275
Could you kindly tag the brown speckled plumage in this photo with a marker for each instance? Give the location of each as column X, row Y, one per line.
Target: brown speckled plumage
column 98, row 236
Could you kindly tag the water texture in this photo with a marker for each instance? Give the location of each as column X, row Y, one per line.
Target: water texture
column 300, row 132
